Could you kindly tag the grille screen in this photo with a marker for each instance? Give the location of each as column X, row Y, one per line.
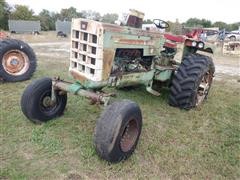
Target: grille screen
column 86, row 55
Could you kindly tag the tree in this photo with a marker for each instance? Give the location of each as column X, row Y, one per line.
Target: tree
column 195, row 22
column 4, row 14
column 234, row 26
column 206, row 23
column 175, row 27
column 170, row 28
column 109, row 18
column 220, row 25
column 148, row 21
column 47, row 20
column 68, row 14
column 89, row 14
column 22, row 12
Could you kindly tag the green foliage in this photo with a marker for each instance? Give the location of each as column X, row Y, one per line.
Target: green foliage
column 206, row 23
column 147, row 21
column 45, row 142
column 195, row 22
column 175, row 27
column 89, row 14
column 67, row 14
column 233, row 26
column 4, row 14
column 47, row 20
column 109, row 18
column 220, row 24
column 22, row 12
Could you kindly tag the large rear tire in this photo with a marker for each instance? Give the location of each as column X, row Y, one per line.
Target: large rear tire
column 17, row 60
column 117, row 131
column 192, row 81
column 36, row 101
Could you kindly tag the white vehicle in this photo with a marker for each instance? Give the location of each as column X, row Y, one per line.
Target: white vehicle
column 234, row 35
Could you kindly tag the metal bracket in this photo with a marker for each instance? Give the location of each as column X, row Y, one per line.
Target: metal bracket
column 152, row 91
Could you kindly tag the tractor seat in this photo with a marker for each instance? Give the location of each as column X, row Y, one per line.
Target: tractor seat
column 174, row 38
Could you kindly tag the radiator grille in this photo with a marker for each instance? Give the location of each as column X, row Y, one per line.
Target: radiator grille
column 86, row 54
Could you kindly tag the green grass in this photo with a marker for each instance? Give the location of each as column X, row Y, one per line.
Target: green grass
column 203, row 143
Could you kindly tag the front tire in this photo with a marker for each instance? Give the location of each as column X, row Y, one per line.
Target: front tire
column 36, row 101
column 192, row 81
column 117, row 131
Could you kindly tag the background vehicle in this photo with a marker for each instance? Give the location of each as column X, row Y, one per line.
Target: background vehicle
column 22, row 26
column 17, row 59
column 61, row 34
column 122, row 56
column 233, row 35
column 63, row 28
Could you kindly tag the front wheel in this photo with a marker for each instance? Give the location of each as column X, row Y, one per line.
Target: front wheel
column 36, row 101
column 118, row 130
column 192, row 81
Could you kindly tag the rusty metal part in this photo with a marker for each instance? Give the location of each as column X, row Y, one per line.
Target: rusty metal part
column 77, row 89
column 132, row 41
column 15, row 62
column 65, row 86
column 204, row 87
column 76, row 75
column 129, row 135
column 131, row 53
column 111, row 55
column 108, row 56
column 47, row 102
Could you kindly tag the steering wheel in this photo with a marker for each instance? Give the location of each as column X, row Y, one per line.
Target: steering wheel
column 160, row 24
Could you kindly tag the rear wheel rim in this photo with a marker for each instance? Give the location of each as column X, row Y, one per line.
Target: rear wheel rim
column 129, row 135
column 15, row 62
column 204, row 87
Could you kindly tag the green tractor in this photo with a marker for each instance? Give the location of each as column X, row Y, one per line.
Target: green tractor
column 108, row 55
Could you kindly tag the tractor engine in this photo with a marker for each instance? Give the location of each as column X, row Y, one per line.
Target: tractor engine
column 130, row 60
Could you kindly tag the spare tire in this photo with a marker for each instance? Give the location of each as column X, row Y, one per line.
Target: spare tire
column 17, row 60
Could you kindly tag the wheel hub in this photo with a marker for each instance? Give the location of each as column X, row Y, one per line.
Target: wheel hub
column 129, row 136
column 47, row 102
column 204, row 87
column 15, row 62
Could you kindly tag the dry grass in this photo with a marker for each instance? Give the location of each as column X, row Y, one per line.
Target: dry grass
column 43, row 37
